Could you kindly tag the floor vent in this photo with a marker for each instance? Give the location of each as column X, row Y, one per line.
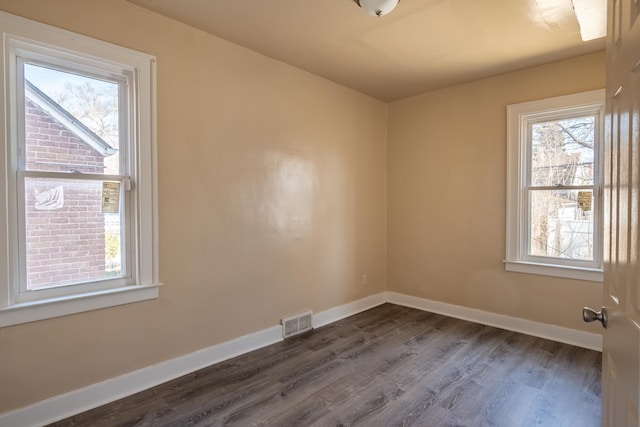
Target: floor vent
column 297, row 324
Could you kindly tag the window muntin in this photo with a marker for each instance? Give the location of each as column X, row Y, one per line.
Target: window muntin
column 553, row 186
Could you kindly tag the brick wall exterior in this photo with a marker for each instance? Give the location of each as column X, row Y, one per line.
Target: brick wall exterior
column 66, row 244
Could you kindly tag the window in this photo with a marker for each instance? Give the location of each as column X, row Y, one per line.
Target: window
column 554, row 175
column 78, row 173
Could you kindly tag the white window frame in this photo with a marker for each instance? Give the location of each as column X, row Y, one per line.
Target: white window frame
column 22, row 36
column 519, row 118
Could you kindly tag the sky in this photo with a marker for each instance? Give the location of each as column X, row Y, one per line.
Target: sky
column 53, row 82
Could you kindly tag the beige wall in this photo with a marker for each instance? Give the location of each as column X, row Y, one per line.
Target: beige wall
column 447, row 193
column 272, row 201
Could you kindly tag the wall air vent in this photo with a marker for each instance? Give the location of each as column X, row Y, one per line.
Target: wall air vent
column 297, row 324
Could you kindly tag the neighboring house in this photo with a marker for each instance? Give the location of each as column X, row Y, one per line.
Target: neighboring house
column 66, row 226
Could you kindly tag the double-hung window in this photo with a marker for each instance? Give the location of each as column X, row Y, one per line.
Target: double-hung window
column 554, row 176
column 78, row 174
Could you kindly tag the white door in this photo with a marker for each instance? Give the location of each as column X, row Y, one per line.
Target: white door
column 621, row 347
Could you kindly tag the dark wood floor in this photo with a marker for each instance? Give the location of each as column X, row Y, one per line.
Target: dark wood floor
column 388, row 366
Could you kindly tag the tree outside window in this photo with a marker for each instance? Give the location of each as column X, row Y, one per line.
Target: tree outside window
column 561, row 197
column 554, row 211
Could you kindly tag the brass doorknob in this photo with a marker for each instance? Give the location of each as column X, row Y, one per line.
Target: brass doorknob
column 589, row 315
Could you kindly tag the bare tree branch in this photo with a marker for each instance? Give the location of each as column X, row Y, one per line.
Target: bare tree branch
column 574, row 137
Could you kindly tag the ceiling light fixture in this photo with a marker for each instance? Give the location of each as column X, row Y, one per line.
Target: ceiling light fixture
column 592, row 17
column 378, row 7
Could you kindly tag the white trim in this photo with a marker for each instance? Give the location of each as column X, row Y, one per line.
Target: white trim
column 29, row 39
column 346, row 310
column 589, row 274
column 86, row 398
column 516, row 324
column 77, row 303
column 519, row 116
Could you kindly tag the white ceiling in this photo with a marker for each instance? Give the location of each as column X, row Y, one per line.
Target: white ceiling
column 420, row 46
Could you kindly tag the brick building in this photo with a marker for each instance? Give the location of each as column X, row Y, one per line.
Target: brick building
column 65, row 229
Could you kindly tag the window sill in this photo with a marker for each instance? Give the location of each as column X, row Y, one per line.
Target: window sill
column 589, row 274
column 56, row 307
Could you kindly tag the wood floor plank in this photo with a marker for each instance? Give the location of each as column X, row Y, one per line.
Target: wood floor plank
column 388, row 366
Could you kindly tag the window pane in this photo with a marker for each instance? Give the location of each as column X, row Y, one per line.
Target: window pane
column 71, row 122
column 561, row 224
column 72, row 236
column 562, row 152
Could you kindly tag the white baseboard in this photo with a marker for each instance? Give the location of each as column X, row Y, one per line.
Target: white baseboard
column 346, row 310
column 77, row 401
column 529, row 327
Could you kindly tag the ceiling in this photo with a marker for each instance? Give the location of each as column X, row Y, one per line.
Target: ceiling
column 420, row 46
